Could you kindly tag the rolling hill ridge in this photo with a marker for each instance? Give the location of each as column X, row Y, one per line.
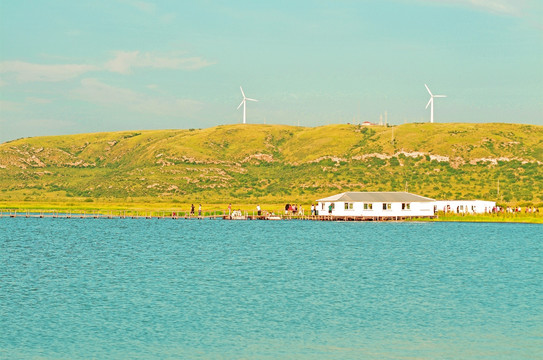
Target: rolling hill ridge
column 276, row 163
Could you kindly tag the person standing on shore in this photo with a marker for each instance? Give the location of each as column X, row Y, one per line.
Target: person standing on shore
column 200, row 210
column 258, row 210
column 229, row 209
column 192, row 209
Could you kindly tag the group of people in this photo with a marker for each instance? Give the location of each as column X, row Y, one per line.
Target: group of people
column 199, row 210
column 516, row 210
column 293, row 209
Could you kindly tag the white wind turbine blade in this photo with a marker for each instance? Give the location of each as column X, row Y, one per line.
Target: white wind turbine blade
column 242, row 93
column 440, row 95
column 429, row 102
column 428, row 89
column 241, row 103
column 250, row 99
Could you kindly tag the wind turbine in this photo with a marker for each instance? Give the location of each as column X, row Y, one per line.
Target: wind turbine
column 244, row 103
column 432, row 96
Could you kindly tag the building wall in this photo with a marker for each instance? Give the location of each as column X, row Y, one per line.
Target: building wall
column 416, row 209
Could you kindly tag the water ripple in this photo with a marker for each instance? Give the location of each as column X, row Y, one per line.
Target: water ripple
column 112, row 288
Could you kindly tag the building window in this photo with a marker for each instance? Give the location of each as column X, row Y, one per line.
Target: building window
column 348, row 206
column 387, row 206
column 406, row 206
column 322, row 206
column 368, row 206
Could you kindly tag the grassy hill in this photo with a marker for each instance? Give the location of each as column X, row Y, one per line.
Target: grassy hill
column 276, row 163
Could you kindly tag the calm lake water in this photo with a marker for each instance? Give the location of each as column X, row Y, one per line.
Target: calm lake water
column 213, row 289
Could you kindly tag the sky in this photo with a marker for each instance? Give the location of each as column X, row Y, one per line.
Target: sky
column 70, row 67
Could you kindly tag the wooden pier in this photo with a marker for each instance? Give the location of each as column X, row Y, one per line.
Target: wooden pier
column 106, row 215
column 174, row 215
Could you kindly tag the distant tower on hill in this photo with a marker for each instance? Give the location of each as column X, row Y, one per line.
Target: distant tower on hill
column 431, row 102
column 244, row 103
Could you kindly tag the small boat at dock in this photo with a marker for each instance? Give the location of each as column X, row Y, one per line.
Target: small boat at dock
column 237, row 215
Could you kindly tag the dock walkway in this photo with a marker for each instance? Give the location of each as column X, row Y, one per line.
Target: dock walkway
column 105, row 215
column 214, row 215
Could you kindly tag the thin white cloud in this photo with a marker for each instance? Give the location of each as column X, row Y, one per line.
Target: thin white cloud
column 497, row 6
column 503, row 7
column 36, row 100
column 149, row 9
column 125, row 61
column 73, row 32
column 95, row 91
column 28, row 72
column 9, row 106
column 144, row 6
column 167, row 18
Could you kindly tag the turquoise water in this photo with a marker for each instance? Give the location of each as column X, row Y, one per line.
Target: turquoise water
column 213, row 289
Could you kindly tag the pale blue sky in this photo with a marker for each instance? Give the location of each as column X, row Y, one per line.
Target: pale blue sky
column 86, row 66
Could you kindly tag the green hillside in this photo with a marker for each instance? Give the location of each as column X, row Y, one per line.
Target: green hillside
column 276, row 163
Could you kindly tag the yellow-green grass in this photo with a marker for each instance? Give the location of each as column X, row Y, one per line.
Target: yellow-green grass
column 274, row 164
column 143, row 209
column 531, row 218
column 116, row 207
column 297, row 144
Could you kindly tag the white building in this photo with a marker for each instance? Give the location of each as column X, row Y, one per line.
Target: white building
column 376, row 205
column 465, row 206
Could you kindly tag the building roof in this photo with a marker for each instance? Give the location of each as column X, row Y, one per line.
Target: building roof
column 376, row 197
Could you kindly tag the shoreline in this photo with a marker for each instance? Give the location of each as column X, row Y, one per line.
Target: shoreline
column 33, row 212
column 533, row 220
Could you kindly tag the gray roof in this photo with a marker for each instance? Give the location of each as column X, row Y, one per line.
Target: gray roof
column 376, row 197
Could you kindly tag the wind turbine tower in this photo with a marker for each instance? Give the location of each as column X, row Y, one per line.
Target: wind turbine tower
column 244, row 103
column 431, row 102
